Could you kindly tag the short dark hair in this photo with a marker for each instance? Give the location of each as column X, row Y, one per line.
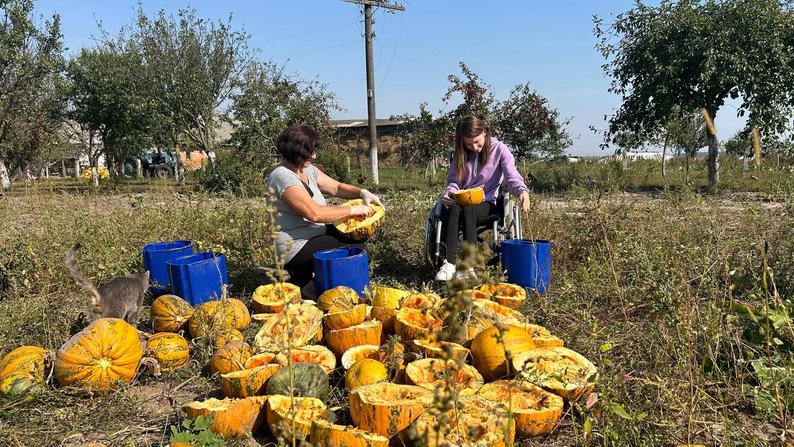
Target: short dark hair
column 297, row 143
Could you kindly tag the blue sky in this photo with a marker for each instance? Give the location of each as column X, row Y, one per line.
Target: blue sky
column 546, row 43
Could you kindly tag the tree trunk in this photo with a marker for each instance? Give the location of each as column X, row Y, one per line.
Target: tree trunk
column 77, row 167
column 664, row 157
column 714, row 162
column 63, row 168
column 686, row 176
column 5, row 182
column 94, row 174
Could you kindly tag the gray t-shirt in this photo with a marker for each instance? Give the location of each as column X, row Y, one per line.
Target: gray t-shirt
column 295, row 229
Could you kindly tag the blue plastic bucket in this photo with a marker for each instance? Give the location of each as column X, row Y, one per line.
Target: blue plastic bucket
column 528, row 263
column 155, row 256
column 344, row 266
column 199, row 277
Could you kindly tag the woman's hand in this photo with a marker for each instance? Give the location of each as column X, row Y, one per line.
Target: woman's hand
column 360, row 210
column 368, row 198
column 447, row 200
column 524, row 200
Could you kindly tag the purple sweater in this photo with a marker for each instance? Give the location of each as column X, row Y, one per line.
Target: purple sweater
column 501, row 167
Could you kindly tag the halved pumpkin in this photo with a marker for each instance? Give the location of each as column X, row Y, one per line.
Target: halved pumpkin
column 476, row 421
column 442, row 350
column 247, row 382
column 294, row 327
column 433, row 374
column 534, row 409
column 272, row 298
column 318, row 354
column 492, row 349
column 387, row 408
column 360, row 228
column 388, row 297
column 169, row 349
column 326, row 434
column 506, row 294
column 562, row 371
column 265, row 358
column 284, row 412
column 385, row 315
column 411, row 324
column 366, row 333
column 541, row 336
column 421, row 301
column 356, row 353
column 169, row 313
column 502, row 314
column 337, row 299
column 232, row 418
column 469, row 197
column 23, row 368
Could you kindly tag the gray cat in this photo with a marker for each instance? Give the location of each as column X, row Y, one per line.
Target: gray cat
column 121, row 297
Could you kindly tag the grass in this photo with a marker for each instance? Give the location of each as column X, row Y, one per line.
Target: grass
column 645, row 281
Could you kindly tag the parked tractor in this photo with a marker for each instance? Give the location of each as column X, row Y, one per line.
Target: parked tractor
column 157, row 163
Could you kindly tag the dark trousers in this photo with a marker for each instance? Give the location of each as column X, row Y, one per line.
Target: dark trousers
column 301, row 266
column 473, row 216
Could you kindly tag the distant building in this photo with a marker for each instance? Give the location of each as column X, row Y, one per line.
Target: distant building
column 635, row 156
column 353, row 135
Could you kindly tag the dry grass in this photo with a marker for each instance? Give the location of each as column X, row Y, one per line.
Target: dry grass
column 641, row 285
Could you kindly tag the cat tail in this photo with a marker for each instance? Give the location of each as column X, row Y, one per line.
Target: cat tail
column 94, row 300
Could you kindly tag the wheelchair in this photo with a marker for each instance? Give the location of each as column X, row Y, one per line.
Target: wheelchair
column 504, row 225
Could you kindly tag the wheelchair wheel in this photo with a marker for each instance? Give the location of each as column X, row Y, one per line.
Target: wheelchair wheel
column 434, row 262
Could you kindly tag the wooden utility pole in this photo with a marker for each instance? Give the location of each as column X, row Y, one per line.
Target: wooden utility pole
column 371, row 117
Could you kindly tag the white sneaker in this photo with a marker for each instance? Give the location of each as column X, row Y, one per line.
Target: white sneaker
column 446, row 272
column 467, row 274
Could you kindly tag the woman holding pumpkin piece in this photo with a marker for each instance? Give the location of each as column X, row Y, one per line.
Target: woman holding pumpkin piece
column 479, row 161
column 302, row 214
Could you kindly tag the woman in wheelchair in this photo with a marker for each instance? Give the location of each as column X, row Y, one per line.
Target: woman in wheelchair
column 479, row 160
column 302, row 214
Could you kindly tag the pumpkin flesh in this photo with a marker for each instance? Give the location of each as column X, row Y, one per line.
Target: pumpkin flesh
column 386, row 408
column 535, row 410
column 232, row 418
column 562, row 371
column 326, row 434
column 433, row 374
column 282, row 411
column 360, row 228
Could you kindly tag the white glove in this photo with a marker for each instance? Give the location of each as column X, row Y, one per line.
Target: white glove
column 359, row 210
column 368, row 198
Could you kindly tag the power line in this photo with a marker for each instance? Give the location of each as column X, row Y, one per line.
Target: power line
column 315, row 49
column 309, row 32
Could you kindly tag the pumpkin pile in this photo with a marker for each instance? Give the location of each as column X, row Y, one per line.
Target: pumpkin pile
column 511, row 378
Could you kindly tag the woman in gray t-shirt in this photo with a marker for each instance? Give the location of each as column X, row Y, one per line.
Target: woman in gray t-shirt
column 297, row 189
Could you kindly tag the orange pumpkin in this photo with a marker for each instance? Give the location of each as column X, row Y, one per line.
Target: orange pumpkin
column 242, row 317
column 434, row 373
column 284, row 413
column 476, row 421
column 247, row 382
column 541, row 336
column 225, row 336
column 386, row 316
column 272, row 298
column 387, row 297
column 231, row 357
column 366, row 333
column 387, row 408
column 100, row 356
column 326, row 434
column 169, row 313
column 492, row 348
column 169, row 349
column 212, row 317
column 232, row 418
column 535, row 410
column 23, row 369
column 499, row 313
column 562, row 371
column 265, row 358
column 506, row 294
column 338, row 299
column 345, row 318
column 365, row 372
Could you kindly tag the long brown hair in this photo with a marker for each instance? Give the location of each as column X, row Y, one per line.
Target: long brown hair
column 470, row 126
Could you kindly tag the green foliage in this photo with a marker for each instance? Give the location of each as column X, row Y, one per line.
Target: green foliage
column 30, row 82
column 232, row 175
column 197, row 433
column 335, row 163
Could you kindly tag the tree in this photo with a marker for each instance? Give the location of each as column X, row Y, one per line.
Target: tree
column 267, row 102
column 430, row 138
column 694, row 55
column 739, row 144
column 31, row 62
column 529, row 126
column 686, row 133
column 105, row 99
column 191, row 68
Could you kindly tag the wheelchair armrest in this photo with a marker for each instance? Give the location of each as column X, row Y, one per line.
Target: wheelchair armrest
column 439, row 206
